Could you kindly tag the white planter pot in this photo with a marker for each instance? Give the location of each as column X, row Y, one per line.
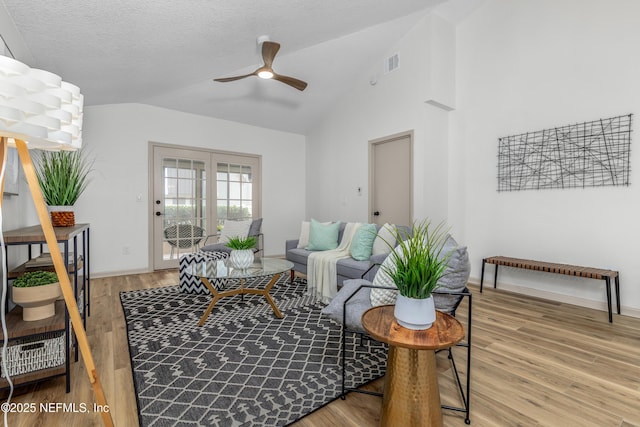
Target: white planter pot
column 37, row 302
column 241, row 259
column 416, row 314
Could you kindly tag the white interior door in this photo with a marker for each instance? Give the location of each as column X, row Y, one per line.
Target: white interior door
column 391, row 180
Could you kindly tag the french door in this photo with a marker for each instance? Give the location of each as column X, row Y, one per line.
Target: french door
column 187, row 208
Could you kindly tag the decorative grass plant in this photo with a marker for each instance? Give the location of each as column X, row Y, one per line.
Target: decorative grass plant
column 418, row 260
column 241, row 243
column 63, row 176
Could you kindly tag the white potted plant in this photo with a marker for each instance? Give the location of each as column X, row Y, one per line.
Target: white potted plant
column 241, row 256
column 36, row 292
column 417, row 264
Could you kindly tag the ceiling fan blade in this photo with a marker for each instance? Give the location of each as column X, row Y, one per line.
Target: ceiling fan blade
column 298, row 84
column 230, row 79
column 269, row 51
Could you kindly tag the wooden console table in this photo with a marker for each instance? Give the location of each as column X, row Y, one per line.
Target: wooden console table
column 411, row 395
column 549, row 267
column 77, row 237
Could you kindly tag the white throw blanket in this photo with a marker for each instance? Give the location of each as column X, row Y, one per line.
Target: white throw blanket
column 321, row 266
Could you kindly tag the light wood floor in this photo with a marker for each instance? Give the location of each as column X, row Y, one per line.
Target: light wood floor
column 534, row 363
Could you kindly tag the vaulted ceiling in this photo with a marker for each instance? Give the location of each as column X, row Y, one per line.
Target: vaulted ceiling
column 166, row 52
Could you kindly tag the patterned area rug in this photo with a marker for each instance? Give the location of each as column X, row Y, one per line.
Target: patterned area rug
column 244, row 367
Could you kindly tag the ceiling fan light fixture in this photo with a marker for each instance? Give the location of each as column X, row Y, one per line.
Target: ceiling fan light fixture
column 269, row 51
column 265, row 74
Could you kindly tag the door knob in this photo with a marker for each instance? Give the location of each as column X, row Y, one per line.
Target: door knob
column 158, row 213
column 376, row 213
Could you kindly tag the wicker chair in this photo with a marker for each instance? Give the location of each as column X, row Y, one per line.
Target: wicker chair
column 183, row 236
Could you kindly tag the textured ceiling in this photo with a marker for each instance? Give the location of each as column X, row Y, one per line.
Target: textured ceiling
column 166, row 52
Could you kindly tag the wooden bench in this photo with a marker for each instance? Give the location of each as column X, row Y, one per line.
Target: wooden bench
column 549, row 267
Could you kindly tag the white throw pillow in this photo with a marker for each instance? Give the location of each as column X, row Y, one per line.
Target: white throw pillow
column 234, row 229
column 303, row 240
column 386, row 232
column 382, row 278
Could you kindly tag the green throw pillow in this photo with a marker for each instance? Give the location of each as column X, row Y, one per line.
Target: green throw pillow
column 323, row 237
column 362, row 242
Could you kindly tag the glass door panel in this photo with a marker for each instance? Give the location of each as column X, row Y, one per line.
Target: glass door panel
column 185, row 219
column 235, row 191
column 180, row 209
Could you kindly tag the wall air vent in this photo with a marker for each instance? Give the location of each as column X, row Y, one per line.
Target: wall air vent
column 391, row 63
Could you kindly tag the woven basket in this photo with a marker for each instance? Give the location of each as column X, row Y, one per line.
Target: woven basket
column 35, row 353
column 63, row 219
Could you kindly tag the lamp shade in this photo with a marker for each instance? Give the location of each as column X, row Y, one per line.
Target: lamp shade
column 38, row 107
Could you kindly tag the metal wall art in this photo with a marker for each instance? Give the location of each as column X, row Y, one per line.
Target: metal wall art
column 589, row 154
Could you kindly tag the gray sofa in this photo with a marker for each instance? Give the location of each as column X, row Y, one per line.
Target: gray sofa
column 348, row 268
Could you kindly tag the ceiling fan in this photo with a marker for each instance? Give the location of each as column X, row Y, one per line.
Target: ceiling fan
column 269, row 51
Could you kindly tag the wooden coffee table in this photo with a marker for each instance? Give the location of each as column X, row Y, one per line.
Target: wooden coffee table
column 236, row 279
column 411, row 395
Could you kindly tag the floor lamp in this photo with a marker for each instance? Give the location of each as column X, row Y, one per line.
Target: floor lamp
column 40, row 111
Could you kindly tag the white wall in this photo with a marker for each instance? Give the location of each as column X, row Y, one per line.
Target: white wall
column 337, row 148
column 525, row 65
column 18, row 211
column 118, row 137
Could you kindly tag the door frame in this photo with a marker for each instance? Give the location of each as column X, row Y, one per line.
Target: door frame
column 379, row 141
column 256, row 190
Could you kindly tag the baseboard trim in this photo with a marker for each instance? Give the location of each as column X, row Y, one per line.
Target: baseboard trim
column 567, row 299
column 104, row 274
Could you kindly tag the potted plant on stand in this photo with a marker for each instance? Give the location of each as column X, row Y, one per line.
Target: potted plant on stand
column 416, row 265
column 36, row 292
column 241, row 256
column 63, row 176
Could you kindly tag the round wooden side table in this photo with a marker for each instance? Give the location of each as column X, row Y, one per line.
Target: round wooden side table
column 411, row 395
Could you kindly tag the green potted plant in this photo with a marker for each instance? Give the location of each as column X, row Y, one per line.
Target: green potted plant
column 63, row 176
column 241, row 256
column 415, row 266
column 36, row 292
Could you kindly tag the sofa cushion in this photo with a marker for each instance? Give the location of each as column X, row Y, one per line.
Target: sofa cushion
column 355, row 307
column 216, row 247
column 349, row 267
column 362, row 242
column 455, row 277
column 382, row 279
column 303, row 240
column 384, row 238
column 323, row 237
column 298, row 256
